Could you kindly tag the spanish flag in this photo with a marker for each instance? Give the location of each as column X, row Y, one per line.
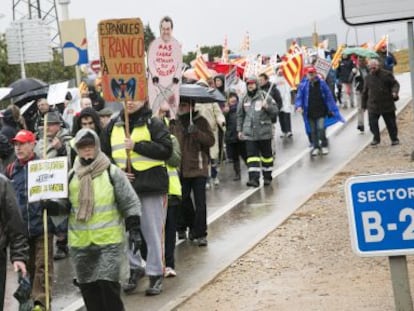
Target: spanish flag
column 201, row 69
column 337, row 57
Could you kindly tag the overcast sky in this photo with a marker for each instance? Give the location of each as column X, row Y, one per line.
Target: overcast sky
column 206, row 22
column 202, row 22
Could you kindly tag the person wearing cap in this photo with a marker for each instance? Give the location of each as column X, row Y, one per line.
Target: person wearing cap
column 12, row 235
column 57, row 144
column 254, row 125
column 105, row 116
column 102, row 201
column 317, row 105
column 24, row 145
column 36, row 123
column 146, row 149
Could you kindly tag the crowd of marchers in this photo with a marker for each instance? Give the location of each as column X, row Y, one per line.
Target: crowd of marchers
column 133, row 192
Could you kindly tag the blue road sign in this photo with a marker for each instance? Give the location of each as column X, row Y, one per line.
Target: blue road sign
column 381, row 214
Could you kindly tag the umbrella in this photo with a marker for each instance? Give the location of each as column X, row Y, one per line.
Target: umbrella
column 24, row 90
column 360, row 52
column 200, row 94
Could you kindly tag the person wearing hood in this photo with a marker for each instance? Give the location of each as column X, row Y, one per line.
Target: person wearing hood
column 196, row 138
column 101, row 201
column 254, row 125
column 11, row 122
column 235, row 147
column 219, row 84
column 142, row 154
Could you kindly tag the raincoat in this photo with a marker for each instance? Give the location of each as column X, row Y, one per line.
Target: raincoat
column 96, row 249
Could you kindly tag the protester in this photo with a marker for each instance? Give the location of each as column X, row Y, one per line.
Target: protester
column 254, row 125
column 196, row 138
column 12, row 122
column 12, row 235
column 105, row 116
column 235, row 147
column 316, row 103
column 344, row 76
column 359, row 74
column 24, row 144
column 149, row 146
column 174, row 197
column 378, row 97
column 6, row 153
column 57, row 144
column 213, row 114
column 101, row 200
column 386, row 59
column 286, row 107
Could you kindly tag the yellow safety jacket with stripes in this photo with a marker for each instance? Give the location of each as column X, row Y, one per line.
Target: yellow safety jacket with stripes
column 138, row 161
column 106, row 224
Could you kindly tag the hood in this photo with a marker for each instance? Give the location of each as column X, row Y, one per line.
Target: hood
column 87, row 132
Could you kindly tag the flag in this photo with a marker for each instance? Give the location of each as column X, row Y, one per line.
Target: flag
column 292, row 69
column 292, row 66
column 245, row 46
column 201, row 69
column 383, row 41
column 225, row 52
column 337, row 57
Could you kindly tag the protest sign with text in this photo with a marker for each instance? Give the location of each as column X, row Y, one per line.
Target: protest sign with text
column 122, row 51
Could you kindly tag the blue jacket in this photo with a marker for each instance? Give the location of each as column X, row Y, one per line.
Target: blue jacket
column 32, row 212
column 302, row 101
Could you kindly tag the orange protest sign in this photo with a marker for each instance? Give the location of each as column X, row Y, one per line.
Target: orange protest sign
column 122, row 51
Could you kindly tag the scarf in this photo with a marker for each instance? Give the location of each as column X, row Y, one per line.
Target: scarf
column 86, row 174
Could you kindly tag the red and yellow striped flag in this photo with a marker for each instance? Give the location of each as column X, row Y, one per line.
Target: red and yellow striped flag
column 337, row 57
column 201, row 69
column 383, row 41
column 292, row 69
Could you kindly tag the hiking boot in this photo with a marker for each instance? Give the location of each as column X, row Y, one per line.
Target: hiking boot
column 155, row 286
column 374, row 142
column 395, row 142
column 253, row 183
column 361, row 128
column 61, row 253
column 325, row 150
column 135, row 276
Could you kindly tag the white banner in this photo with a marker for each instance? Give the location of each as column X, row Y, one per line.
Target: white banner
column 47, row 179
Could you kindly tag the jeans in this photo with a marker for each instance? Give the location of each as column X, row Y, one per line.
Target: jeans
column 318, row 134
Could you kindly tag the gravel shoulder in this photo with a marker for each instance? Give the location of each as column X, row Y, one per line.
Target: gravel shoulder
column 307, row 263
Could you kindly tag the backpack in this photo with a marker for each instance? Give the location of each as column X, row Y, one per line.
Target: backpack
column 109, row 170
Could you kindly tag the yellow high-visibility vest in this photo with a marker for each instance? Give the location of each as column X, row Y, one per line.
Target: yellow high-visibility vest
column 138, row 161
column 106, row 224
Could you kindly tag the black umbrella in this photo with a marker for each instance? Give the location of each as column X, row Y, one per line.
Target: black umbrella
column 24, row 90
column 200, row 94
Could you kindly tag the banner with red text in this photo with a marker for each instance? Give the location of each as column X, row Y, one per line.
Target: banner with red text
column 122, row 57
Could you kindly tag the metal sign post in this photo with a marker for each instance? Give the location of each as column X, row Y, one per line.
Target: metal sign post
column 381, row 223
